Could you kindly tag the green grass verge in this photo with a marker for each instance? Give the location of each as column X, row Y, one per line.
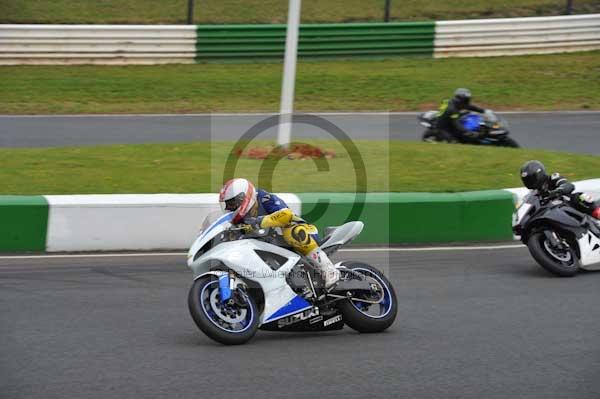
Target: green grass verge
column 272, row 11
column 542, row 82
column 187, row 167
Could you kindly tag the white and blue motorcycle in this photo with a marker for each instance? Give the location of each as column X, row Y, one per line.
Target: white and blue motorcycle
column 246, row 281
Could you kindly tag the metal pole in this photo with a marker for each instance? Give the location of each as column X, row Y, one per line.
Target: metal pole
column 190, row 12
column 569, row 7
column 289, row 74
column 386, row 13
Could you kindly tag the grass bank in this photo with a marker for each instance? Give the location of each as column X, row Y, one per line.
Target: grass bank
column 272, row 11
column 540, row 82
column 198, row 167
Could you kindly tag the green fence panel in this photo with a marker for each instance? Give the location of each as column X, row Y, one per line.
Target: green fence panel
column 397, row 218
column 256, row 42
column 23, row 223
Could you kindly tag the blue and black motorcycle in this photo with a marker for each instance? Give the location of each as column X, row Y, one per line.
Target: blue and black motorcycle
column 495, row 129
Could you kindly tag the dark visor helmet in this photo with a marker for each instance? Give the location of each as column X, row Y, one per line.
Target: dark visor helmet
column 533, row 175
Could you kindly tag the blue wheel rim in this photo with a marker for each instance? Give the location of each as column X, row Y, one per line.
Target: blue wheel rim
column 214, row 318
column 385, row 305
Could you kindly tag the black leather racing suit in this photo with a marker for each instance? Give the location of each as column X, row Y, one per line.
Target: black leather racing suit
column 557, row 185
column 448, row 120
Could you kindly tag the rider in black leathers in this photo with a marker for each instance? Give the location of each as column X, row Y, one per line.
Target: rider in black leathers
column 448, row 122
column 534, row 177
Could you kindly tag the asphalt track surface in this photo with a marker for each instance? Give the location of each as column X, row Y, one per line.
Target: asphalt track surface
column 471, row 324
column 563, row 131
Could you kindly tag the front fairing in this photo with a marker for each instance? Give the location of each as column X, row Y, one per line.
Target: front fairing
column 557, row 213
column 471, row 121
column 212, row 228
column 524, row 209
column 427, row 119
column 496, row 126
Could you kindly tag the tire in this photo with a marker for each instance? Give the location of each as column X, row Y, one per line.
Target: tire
column 536, row 247
column 430, row 136
column 436, row 136
column 200, row 312
column 508, row 142
column 357, row 319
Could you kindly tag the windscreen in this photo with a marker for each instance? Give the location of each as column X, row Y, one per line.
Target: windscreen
column 211, row 218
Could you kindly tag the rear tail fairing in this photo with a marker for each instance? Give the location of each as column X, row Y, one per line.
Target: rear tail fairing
column 340, row 236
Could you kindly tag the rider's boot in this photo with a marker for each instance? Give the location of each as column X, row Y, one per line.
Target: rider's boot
column 321, row 261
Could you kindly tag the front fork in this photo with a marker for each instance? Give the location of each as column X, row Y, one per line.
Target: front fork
column 556, row 241
column 225, row 287
column 553, row 239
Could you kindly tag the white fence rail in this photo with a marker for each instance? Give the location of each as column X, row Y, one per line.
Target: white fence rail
column 159, row 44
column 514, row 36
column 97, row 44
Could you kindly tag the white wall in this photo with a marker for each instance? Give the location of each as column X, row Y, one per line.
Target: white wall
column 97, row 44
column 130, row 222
column 513, row 36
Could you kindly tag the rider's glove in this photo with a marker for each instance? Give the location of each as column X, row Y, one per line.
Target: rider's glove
column 554, row 194
column 250, row 224
column 246, row 227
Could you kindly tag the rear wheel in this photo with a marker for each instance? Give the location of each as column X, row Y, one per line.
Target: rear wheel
column 370, row 317
column 560, row 261
column 231, row 323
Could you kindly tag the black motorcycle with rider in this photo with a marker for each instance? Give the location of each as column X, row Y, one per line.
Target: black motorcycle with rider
column 560, row 226
column 460, row 121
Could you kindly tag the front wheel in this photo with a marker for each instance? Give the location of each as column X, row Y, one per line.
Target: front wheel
column 437, row 136
column 508, row 142
column 231, row 323
column 367, row 317
column 560, row 261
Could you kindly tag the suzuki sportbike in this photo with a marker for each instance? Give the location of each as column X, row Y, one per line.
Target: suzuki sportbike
column 246, row 281
column 559, row 237
column 495, row 129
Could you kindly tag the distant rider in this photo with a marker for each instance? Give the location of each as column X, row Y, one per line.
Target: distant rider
column 256, row 208
column 534, row 177
column 451, row 110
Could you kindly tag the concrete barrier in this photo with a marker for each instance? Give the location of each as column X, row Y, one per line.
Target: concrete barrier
column 57, row 223
column 23, row 223
column 129, row 222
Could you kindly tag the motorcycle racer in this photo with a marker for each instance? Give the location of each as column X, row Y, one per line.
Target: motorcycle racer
column 255, row 208
column 449, row 116
column 534, row 177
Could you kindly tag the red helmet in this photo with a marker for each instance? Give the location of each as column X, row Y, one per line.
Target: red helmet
column 239, row 196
